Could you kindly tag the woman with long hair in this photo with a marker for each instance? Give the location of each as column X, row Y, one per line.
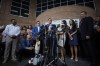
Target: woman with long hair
column 73, row 40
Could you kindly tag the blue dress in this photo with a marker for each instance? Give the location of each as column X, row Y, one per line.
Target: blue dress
column 74, row 40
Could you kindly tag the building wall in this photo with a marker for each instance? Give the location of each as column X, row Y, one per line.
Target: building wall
column 62, row 12
column 65, row 12
column 5, row 15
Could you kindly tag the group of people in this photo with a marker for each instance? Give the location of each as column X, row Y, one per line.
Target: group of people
column 33, row 40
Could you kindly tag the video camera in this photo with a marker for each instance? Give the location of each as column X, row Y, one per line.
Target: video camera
column 63, row 26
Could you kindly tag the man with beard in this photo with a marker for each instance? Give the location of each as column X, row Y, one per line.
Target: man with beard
column 12, row 32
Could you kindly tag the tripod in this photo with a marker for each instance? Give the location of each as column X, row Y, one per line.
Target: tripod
column 56, row 59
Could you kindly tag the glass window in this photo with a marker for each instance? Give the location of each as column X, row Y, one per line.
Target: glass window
column 88, row 0
column 56, row 1
column 25, row 7
column 15, row 10
column 38, row 13
column 27, row 0
column 44, row 8
column 50, row 0
column 71, row 2
column 38, row 9
column 44, row 4
column 63, row 0
column 44, row 0
column 38, row 5
column 38, row 1
column 50, row 6
column 56, row 5
column 19, row 1
column 24, row 13
column 25, row 3
column 20, row 7
column 16, row 4
column 64, row 3
column 79, row 1
column 50, row 3
column 90, row 4
column 0, row 3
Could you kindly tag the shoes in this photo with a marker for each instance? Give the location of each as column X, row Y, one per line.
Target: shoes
column 14, row 59
column 62, row 58
column 4, row 61
column 71, row 58
column 11, row 59
column 76, row 60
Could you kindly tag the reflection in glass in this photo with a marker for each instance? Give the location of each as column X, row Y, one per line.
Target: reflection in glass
column 20, row 7
column 48, row 4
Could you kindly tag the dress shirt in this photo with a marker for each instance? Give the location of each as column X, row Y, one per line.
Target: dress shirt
column 50, row 26
column 38, row 28
column 11, row 30
column 4, row 37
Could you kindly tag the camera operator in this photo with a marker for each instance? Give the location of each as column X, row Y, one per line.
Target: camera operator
column 62, row 38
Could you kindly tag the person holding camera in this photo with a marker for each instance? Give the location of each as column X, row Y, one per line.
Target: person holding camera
column 61, row 39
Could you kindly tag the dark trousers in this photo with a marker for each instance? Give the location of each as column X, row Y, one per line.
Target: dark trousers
column 2, row 48
column 25, row 53
column 41, row 46
column 97, row 42
column 51, row 43
column 89, row 50
column 34, row 42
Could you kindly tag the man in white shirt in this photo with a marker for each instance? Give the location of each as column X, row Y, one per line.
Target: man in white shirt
column 12, row 32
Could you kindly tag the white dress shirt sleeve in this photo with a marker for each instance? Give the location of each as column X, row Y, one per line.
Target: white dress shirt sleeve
column 6, row 30
column 18, row 31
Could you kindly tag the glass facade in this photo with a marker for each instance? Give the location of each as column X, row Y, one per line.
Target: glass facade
column 0, row 3
column 20, row 8
column 43, row 5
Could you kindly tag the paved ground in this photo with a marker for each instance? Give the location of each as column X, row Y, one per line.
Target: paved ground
column 68, row 61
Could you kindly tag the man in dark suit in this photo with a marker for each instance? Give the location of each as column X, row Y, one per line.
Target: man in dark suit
column 97, row 35
column 86, row 31
column 51, row 39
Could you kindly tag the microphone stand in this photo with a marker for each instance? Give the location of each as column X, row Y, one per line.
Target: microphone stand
column 45, row 49
column 57, row 59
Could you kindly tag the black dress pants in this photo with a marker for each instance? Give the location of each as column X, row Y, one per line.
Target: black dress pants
column 89, row 50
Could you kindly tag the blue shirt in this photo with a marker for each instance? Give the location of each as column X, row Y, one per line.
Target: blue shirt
column 35, row 31
column 25, row 43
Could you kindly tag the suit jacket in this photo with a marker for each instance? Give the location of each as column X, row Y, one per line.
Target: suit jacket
column 53, row 26
column 25, row 43
column 35, row 32
column 86, row 27
column 98, row 23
